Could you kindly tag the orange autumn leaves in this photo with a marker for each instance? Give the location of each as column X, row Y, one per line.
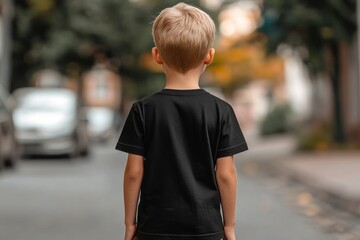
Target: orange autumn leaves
column 236, row 65
column 245, row 63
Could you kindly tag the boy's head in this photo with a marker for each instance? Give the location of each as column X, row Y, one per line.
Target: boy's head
column 183, row 36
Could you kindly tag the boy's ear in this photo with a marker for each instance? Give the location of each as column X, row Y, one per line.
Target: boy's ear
column 209, row 57
column 156, row 55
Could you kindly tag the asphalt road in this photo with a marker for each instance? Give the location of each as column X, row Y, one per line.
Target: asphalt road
column 81, row 199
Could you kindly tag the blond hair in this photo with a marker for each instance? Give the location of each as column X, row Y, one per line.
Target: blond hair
column 183, row 35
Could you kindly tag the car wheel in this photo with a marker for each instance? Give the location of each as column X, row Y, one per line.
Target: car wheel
column 2, row 163
column 2, row 158
column 76, row 152
column 83, row 140
column 14, row 156
column 84, row 152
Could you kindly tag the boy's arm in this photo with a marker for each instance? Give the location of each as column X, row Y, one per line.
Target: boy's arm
column 227, row 183
column 132, row 181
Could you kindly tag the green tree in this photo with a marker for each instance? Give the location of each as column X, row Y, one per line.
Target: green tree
column 319, row 27
column 71, row 36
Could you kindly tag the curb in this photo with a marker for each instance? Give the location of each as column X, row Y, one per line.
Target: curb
column 335, row 199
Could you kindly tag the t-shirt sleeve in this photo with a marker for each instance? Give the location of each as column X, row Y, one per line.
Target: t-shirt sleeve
column 232, row 140
column 131, row 139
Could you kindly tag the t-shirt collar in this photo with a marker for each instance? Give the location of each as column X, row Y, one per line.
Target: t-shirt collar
column 171, row 91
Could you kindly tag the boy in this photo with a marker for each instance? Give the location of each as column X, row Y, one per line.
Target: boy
column 181, row 141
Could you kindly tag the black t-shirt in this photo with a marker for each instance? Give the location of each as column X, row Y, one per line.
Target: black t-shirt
column 180, row 133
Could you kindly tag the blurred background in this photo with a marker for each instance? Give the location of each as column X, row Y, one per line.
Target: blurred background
column 70, row 71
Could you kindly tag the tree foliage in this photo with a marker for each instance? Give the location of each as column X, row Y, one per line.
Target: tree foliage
column 243, row 61
column 309, row 26
column 316, row 29
column 70, row 36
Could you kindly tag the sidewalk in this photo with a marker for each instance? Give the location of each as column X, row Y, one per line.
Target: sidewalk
column 333, row 176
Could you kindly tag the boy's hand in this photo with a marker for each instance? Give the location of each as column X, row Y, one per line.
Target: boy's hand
column 130, row 232
column 229, row 233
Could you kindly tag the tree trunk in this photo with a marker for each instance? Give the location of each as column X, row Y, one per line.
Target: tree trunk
column 338, row 124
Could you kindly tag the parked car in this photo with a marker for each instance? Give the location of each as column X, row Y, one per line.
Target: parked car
column 9, row 146
column 50, row 121
column 101, row 123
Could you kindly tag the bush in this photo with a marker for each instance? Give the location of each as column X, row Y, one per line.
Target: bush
column 319, row 138
column 278, row 120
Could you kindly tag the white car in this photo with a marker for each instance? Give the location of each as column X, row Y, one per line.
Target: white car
column 101, row 123
column 49, row 121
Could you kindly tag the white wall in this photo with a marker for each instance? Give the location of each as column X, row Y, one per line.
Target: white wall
column 297, row 84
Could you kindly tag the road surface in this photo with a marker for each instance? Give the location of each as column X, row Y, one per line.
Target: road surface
column 81, row 199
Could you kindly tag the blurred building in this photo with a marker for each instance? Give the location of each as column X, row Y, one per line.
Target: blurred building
column 102, row 88
column 102, row 95
column 297, row 85
column 314, row 97
column 6, row 11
